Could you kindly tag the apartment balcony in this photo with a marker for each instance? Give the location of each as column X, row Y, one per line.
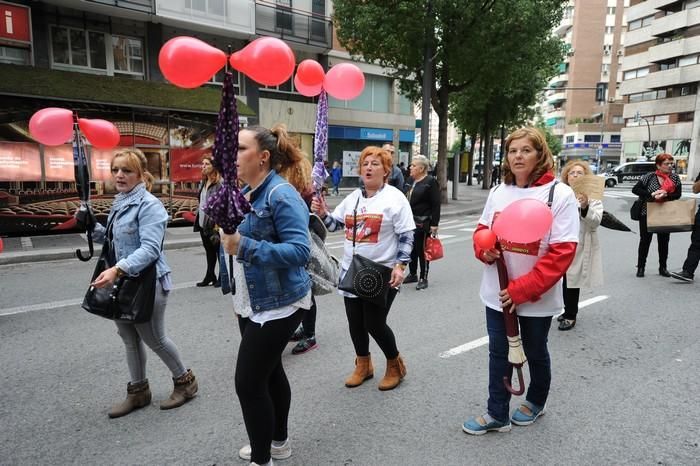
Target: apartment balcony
column 667, row 78
column 559, row 80
column 682, row 130
column 676, row 48
column 233, row 17
column 555, row 114
column 669, row 24
column 564, row 26
column 633, row 86
column 556, row 97
column 293, row 25
column 661, row 106
column 143, row 6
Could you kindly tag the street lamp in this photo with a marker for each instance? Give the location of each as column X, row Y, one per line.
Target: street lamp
column 637, row 117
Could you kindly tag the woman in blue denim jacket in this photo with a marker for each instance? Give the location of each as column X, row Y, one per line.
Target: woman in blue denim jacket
column 271, row 286
column 138, row 220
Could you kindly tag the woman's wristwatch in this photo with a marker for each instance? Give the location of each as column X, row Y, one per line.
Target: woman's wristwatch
column 120, row 272
column 400, row 265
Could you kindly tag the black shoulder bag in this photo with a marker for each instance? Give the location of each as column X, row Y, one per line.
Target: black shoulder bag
column 365, row 278
column 131, row 297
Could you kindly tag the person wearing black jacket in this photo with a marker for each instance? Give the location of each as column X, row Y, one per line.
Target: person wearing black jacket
column 687, row 273
column 424, row 197
column 660, row 186
column 211, row 182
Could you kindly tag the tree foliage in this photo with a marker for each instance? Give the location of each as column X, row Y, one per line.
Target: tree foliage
column 493, row 53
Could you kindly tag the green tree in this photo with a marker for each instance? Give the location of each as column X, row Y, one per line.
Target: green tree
column 472, row 43
column 553, row 141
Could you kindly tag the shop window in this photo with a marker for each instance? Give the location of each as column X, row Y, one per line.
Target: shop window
column 376, row 96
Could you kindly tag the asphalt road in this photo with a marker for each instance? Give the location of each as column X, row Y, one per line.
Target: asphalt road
column 623, row 391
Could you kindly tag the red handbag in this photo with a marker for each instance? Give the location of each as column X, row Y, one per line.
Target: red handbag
column 433, row 248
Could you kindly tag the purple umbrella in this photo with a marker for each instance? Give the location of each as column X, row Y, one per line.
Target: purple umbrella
column 319, row 172
column 227, row 206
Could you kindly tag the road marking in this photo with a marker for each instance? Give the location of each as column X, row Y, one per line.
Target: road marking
column 469, row 230
column 66, row 303
column 484, row 340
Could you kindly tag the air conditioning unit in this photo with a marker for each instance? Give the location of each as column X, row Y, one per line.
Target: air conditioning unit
column 605, row 73
column 606, row 52
column 619, row 53
column 611, row 99
column 570, row 53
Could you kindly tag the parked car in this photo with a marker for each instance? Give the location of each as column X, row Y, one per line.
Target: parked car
column 627, row 173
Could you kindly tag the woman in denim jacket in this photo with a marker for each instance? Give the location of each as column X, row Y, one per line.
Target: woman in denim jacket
column 271, row 286
column 138, row 227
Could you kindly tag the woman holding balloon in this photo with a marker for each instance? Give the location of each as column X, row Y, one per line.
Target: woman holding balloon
column 537, row 252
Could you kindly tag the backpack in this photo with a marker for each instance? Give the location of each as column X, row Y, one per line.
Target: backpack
column 323, row 267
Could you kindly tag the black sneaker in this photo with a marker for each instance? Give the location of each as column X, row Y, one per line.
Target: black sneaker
column 683, row 276
column 304, row 345
column 422, row 284
column 411, row 278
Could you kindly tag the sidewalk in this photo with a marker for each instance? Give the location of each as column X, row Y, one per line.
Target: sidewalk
column 54, row 247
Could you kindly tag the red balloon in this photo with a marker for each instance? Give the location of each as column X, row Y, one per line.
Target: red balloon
column 523, row 221
column 344, row 81
column 52, row 126
column 188, row 62
column 102, row 134
column 1, row 245
column 266, row 60
column 485, row 239
column 310, row 73
column 307, row 90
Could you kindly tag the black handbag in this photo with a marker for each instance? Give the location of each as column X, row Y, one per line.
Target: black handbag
column 131, row 297
column 365, row 278
column 636, row 210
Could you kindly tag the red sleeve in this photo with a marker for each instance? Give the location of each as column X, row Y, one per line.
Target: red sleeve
column 477, row 250
column 546, row 273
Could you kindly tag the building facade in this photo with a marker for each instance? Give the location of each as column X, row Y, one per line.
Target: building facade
column 582, row 104
column 100, row 59
column 660, row 81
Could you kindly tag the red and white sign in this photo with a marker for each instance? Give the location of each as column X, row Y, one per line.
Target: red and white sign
column 58, row 163
column 14, row 23
column 101, row 163
column 186, row 164
column 19, row 161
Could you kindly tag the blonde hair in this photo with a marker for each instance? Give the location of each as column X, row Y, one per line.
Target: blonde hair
column 545, row 160
column 217, row 175
column 136, row 161
column 285, row 157
column 383, row 155
column 570, row 165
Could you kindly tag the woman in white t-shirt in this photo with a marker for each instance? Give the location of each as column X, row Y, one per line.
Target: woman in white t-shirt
column 535, row 271
column 384, row 234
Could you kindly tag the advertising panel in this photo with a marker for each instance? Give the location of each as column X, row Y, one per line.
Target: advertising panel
column 186, row 164
column 14, row 22
column 100, row 161
column 19, row 161
column 58, row 163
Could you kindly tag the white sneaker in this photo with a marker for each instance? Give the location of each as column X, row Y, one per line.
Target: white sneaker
column 277, row 453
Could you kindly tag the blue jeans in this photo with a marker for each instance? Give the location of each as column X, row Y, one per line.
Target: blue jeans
column 533, row 332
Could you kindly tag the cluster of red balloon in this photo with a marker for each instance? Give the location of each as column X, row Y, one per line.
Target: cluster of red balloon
column 189, row 62
column 344, row 81
column 523, row 221
column 53, row 126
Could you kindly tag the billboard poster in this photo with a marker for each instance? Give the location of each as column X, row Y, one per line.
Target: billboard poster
column 19, row 161
column 351, row 163
column 100, row 164
column 58, row 163
column 186, row 164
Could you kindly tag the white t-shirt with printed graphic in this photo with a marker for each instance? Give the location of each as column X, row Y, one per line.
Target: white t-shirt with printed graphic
column 380, row 219
column 520, row 259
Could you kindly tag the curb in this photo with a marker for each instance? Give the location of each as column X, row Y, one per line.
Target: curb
column 44, row 255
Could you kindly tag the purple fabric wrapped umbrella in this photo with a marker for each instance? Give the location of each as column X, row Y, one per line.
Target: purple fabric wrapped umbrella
column 227, row 206
column 319, row 172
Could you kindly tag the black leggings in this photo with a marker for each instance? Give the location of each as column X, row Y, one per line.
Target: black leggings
column 261, row 384
column 308, row 324
column 212, row 252
column 418, row 254
column 571, row 297
column 365, row 319
column 662, row 240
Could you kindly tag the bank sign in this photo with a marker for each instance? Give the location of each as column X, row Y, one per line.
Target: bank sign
column 371, row 134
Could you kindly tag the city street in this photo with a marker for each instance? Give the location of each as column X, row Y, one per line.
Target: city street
column 623, row 388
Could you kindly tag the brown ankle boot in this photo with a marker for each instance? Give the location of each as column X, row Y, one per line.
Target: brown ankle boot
column 395, row 371
column 363, row 371
column 185, row 389
column 137, row 396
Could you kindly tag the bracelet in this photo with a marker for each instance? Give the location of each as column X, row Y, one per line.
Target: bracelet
column 400, row 265
column 120, row 272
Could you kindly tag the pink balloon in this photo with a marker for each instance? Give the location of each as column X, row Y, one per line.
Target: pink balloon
column 188, row 62
column 266, row 60
column 310, row 73
column 523, row 221
column 308, row 91
column 1, row 245
column 485, row 239
column 102, row 134
column 344, row 81
column 52, row 126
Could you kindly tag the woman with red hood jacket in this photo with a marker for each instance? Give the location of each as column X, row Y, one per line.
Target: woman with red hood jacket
column 536, row 269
